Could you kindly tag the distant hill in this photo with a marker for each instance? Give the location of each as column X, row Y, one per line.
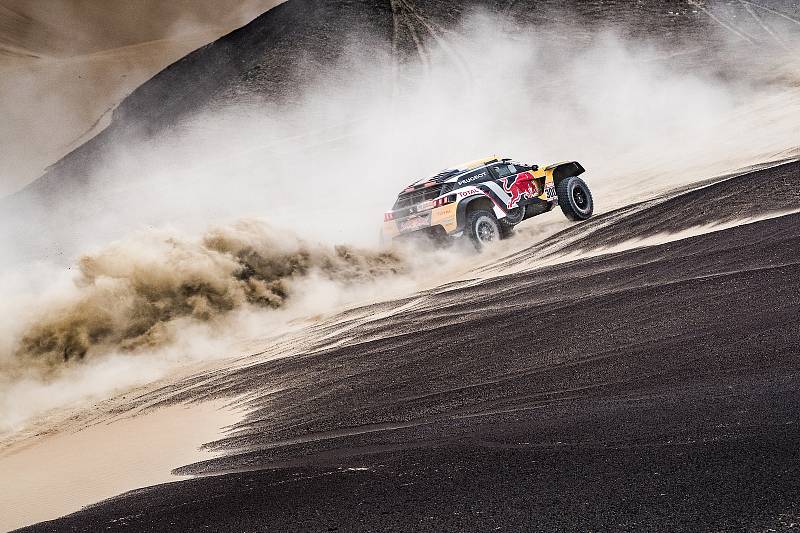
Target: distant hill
column 273, row 55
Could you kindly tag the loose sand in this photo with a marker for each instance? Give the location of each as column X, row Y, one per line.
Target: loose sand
column 58, row 474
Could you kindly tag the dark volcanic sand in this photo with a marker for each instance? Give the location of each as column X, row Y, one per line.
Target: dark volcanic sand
column 656, row 389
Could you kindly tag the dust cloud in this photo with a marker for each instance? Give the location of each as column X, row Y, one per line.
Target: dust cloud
column 324, row 171
column 130, row 293
column 637, row 119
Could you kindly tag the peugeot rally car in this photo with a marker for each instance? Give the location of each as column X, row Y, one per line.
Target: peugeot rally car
column 484, row 199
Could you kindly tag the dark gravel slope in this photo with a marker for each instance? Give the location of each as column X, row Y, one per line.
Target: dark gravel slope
column 656, row 389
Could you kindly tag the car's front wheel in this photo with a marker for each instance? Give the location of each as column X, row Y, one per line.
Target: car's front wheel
column 575, row 198
column 483, row 229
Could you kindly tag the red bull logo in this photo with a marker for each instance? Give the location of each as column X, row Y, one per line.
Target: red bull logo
column 519, row 186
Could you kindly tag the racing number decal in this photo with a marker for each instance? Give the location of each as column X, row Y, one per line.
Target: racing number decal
column 551, row 191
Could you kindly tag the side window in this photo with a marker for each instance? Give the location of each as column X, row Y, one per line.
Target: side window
column 505, row 169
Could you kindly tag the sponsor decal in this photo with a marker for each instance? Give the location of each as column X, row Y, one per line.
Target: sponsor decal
column 551, row 191
column 519, row 186
column 470, row 179
column 468, row 192
column 445, row 217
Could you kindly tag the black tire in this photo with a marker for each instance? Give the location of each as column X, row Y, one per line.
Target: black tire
column 483, row 228
column 514, row 217
column 575, row 198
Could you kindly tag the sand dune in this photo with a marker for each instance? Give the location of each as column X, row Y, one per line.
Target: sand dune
column 66, row 28
column 64, row 65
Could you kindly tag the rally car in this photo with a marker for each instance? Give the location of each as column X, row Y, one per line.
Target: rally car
column 484, row 199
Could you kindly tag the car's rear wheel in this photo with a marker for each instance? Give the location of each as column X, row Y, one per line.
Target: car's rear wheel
column 483, row 229
column 575, row 198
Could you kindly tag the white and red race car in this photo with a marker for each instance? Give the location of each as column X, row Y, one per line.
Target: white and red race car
column 484, row 199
